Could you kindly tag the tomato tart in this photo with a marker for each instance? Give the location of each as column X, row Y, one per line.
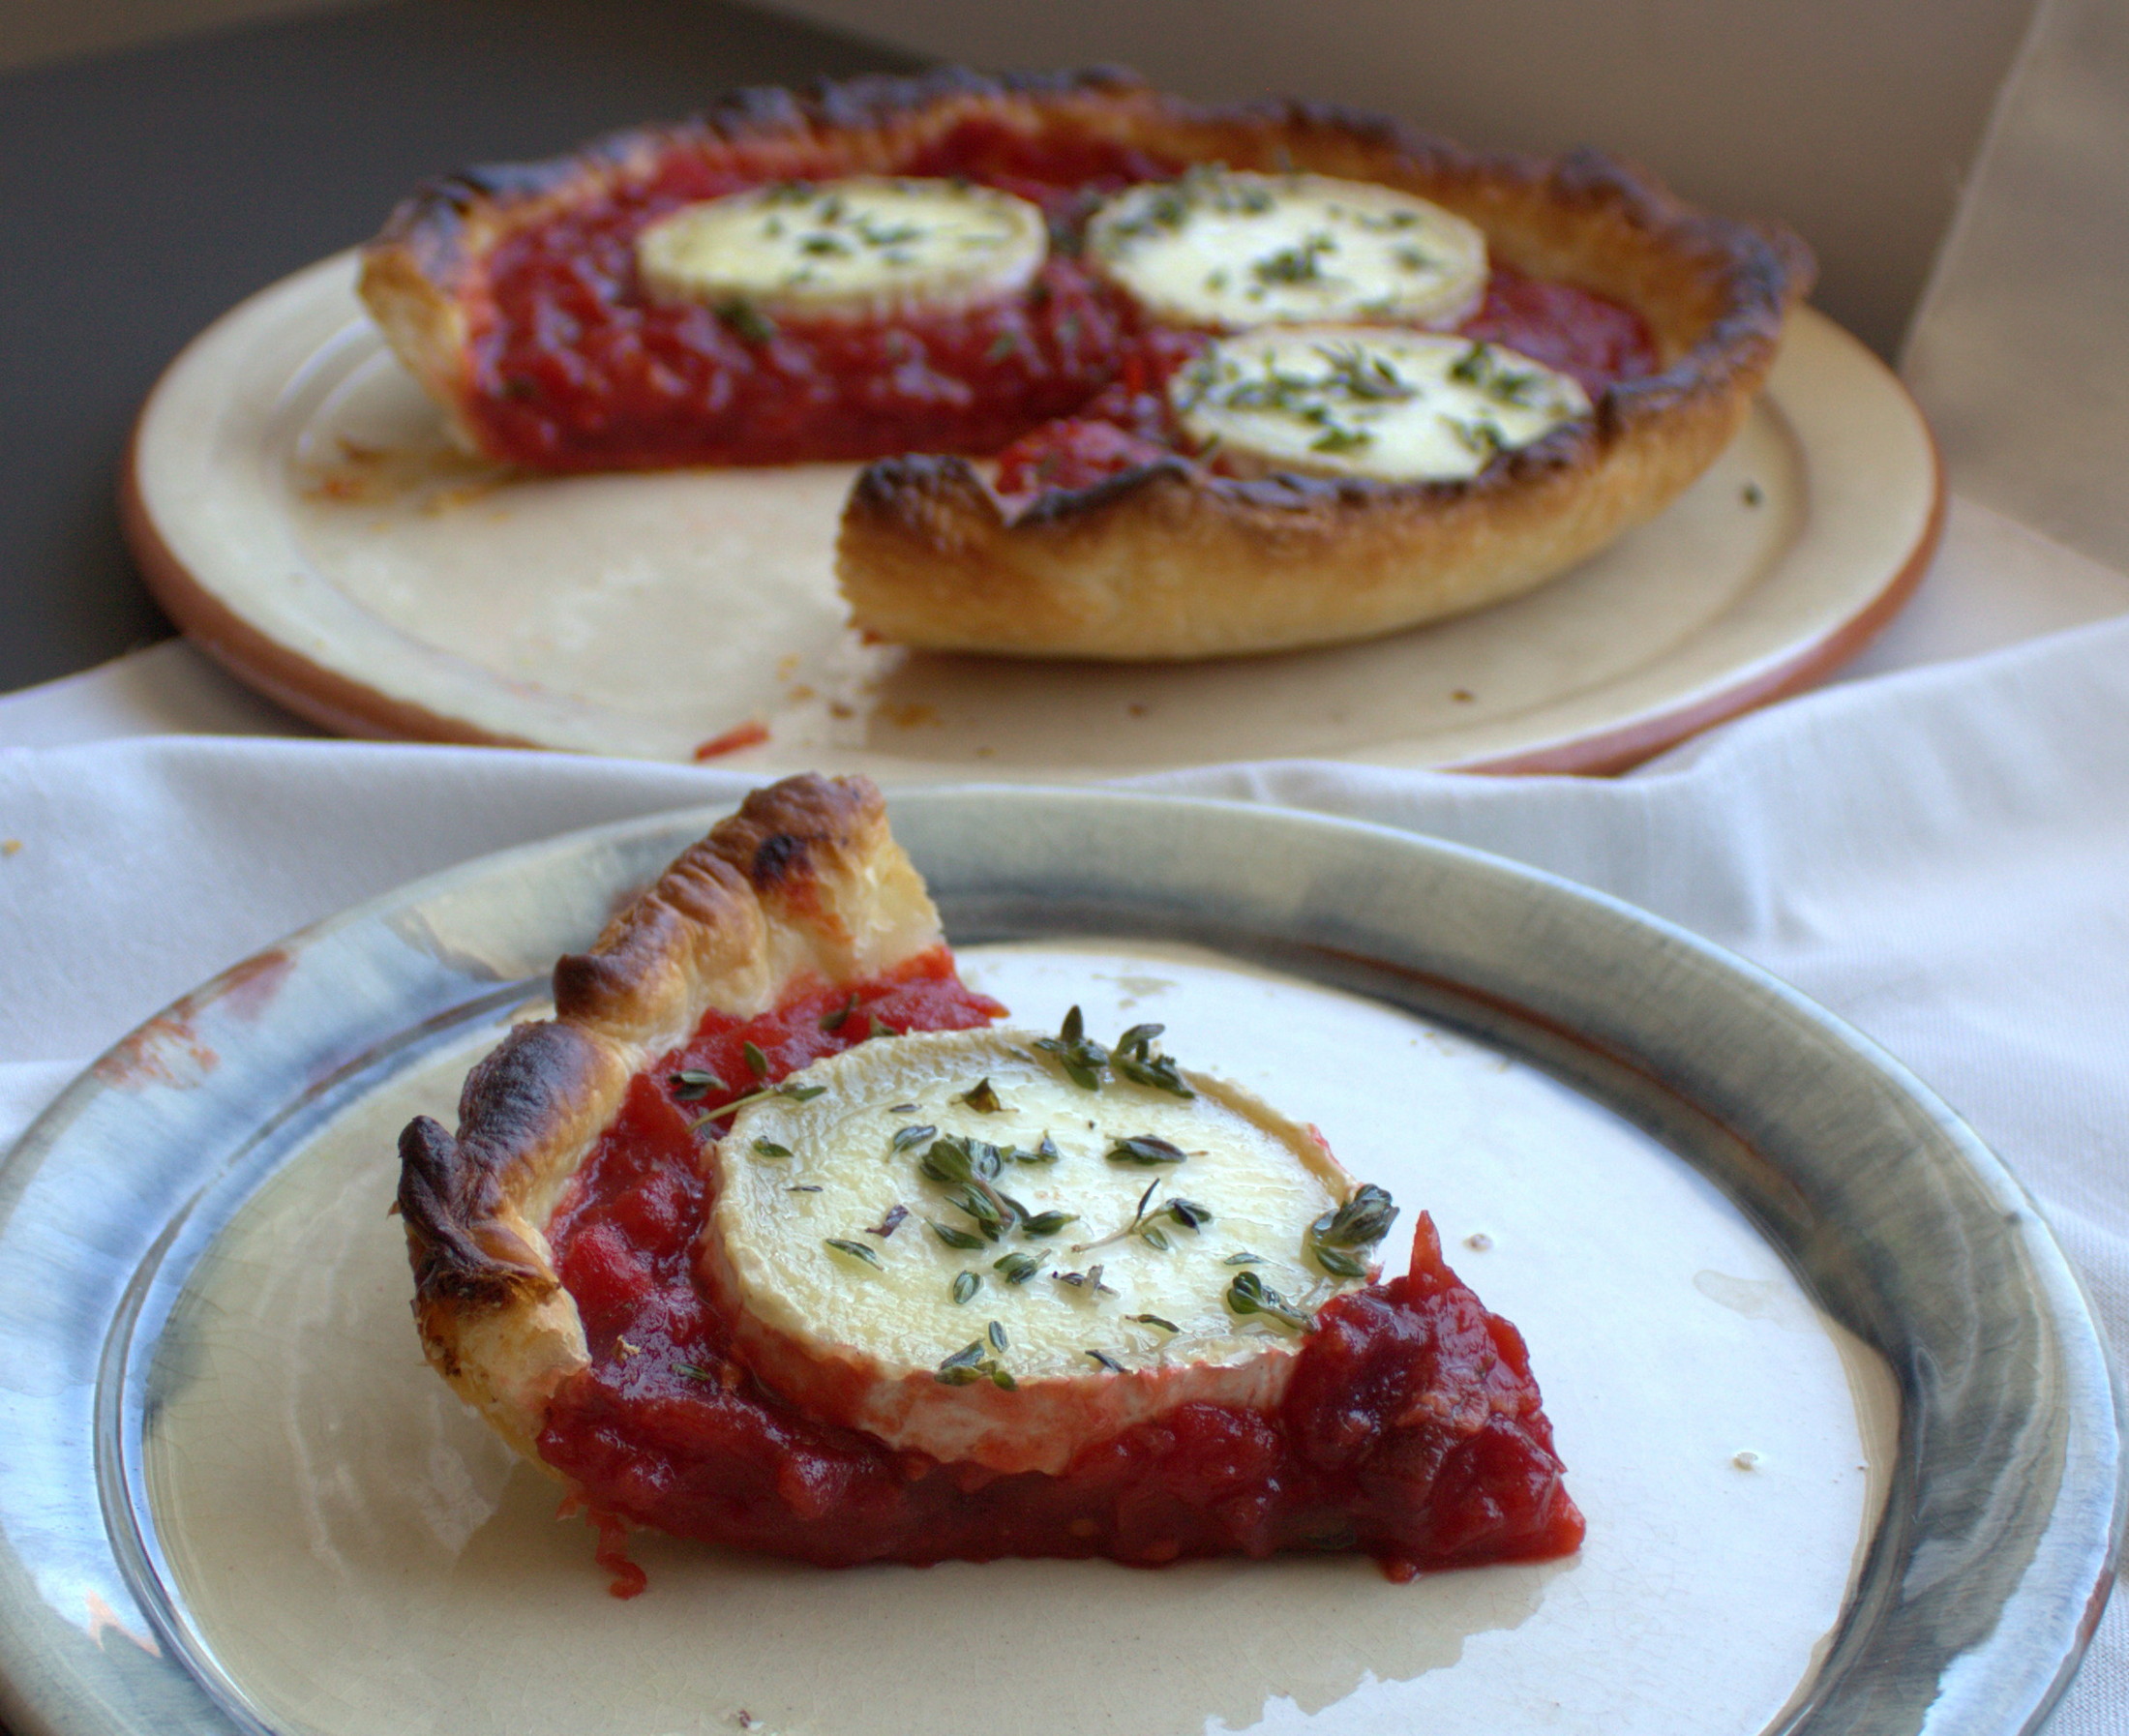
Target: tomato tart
column 1132, row 377
column 774, row 1238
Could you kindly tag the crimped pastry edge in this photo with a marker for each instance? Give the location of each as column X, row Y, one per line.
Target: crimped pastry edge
column 804, row 884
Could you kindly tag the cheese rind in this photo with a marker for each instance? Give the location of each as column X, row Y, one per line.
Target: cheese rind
column 862, row 1340
column 1232, row 251
column 1367, row 400
column 858, row 248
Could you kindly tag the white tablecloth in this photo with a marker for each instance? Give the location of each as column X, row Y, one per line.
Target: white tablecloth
column 1937, row 853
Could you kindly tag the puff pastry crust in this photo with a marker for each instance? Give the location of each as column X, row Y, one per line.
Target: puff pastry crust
column 1173, row 559
column 803, row 884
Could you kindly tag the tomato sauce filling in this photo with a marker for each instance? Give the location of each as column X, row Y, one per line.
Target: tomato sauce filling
column 1411, row 1428
column 575, row 367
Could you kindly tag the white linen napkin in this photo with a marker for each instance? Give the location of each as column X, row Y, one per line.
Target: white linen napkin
column 1938, row 855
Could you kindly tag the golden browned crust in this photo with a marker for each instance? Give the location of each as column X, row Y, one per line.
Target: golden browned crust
column 802, row 884
column 1172, row 560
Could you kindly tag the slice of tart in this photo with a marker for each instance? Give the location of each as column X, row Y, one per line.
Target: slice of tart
column 772, row 1237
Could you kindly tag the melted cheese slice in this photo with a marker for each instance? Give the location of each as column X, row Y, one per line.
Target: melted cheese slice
column 864, row 1340
column 1361, row 400
column 1232, row 251
column 853, row 248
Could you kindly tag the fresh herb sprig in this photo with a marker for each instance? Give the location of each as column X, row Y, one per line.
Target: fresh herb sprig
column 963, row 1167
column 1189, row 1214
column 1249, row 1294
column 796, row 1093
column 1341, row 1240
column 1144, row 1150
column 969, row 1365
column 1134, row 1059
column 1083, row 1059
column 1489, row 369
column 1045, row 1151
column 691, row 1085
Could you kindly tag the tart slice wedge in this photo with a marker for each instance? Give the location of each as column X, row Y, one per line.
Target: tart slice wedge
column 773, row 1238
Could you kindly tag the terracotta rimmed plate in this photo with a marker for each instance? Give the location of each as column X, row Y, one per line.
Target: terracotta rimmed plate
column 1826, row 1387
column 294, row 505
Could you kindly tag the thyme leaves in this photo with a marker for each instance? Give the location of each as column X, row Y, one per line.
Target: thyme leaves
column 969, row 1365
column 954, row 1236
column 690, row 1084
column 1082, row 1057
column 796, row 1093
column 1495, row 376
column 1249, row 1294
column 1301, row 263
column 748, row 322
column 1187, row 1214
column 1145, row 1151
column 1134, row 1059
column 1340, row 1241
column 1045, row 1152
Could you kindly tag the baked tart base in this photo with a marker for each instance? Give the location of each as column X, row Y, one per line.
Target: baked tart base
column 1161, row 556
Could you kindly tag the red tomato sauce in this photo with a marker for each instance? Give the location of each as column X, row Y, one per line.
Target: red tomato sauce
column 577, row 368
column 1411, row 1429
column 1131, row 423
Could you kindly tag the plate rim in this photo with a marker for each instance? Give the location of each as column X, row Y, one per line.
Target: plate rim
column 2069, row 1310
column 335, row 699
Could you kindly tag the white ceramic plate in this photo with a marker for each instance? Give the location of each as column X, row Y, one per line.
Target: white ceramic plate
column 294, row 503
column 234, row 1497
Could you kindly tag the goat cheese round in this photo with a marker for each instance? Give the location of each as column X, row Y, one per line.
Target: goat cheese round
column 1229, row 250
column 853, row 248
column 1361, row 400
column 959, row 1249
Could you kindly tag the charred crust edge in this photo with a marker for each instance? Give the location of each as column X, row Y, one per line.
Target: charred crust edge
column 461, row 1196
